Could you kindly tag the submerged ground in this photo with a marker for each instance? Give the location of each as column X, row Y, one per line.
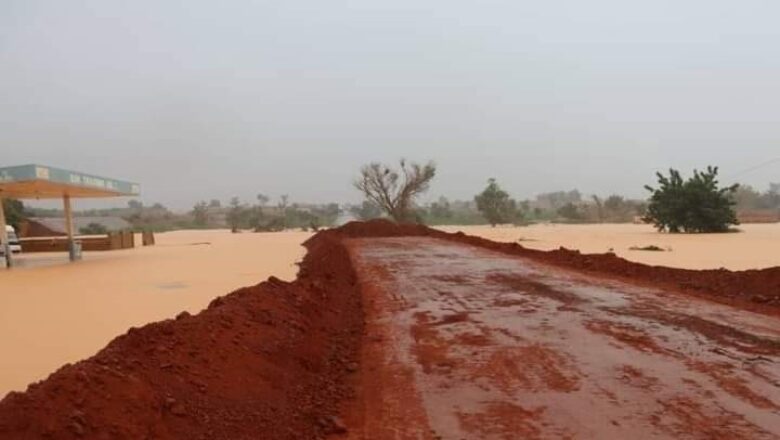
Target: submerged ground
column 52, row 312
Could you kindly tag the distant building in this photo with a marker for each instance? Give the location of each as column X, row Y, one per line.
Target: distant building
column 55, row 227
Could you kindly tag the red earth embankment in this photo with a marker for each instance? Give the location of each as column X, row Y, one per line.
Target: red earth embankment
column 273, row 360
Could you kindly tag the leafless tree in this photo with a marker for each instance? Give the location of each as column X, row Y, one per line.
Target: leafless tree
column 395, row 190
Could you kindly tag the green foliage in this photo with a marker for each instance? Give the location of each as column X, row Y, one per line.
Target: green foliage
column 445, row 212
column 311, row 217
column 695, row 205
column 200, row 214
column 280, row 217
column 367, row 210
column 495, row 204
column 94, row 229
column 439, row 212
column 571, row 212
column 14, row 212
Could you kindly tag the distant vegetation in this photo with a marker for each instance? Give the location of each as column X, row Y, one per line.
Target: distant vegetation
column 752, row 205
column 260, row 217
column 694, row 205
column 212, row 215
column 391, row 193
column 94, row 229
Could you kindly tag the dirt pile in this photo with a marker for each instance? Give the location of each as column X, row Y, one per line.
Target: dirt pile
column 267, row 361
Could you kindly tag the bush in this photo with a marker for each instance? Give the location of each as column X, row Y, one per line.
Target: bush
column 695, row 205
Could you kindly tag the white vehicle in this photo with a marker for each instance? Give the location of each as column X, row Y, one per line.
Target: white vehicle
column 13, row 240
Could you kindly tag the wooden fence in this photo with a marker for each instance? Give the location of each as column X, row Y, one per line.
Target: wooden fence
column 110, row 242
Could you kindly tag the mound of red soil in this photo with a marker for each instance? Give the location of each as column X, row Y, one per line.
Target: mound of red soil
column 268, row 361
column 273, row 361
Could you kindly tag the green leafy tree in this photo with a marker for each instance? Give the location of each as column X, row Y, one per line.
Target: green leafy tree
column 495, row 204
column 695, row 205
column 394, row 190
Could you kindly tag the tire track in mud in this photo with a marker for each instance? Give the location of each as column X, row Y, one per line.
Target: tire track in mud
column 500, row 347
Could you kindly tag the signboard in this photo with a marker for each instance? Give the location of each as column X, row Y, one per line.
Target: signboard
column 58, row 176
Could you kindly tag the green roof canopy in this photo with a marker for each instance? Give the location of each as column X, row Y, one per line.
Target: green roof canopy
column 44, row 182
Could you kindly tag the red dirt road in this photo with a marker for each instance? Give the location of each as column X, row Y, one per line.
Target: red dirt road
column 463, row 342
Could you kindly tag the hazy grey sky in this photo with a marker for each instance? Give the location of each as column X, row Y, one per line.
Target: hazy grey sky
column 205, row 99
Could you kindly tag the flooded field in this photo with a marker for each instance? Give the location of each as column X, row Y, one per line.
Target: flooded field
column 52, row 312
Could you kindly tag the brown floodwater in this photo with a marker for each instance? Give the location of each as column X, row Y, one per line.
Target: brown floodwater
column 53, row 312
column 754, row 248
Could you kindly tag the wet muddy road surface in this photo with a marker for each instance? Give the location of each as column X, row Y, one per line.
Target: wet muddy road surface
column 466, row 343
